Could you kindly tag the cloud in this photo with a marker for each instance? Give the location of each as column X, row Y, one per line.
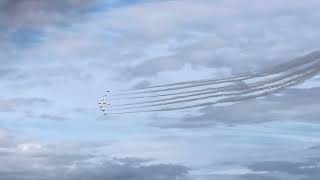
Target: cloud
column 30, row 159
column 216, row 35
column 295, row 165
column 307, row 170
column 163, row 18
column 34, row 13
column 125, row 172
column 53, row 117
column 13, row 104
column 258, row 177
column 201, row 38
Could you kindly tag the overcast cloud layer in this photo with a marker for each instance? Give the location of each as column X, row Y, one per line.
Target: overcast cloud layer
column 58, row 58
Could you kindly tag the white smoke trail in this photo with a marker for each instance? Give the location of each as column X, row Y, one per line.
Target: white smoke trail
column 183, row 95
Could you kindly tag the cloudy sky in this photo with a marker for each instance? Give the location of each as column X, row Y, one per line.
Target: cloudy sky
column 58, row 58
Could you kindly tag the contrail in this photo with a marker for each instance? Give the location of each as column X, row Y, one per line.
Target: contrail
column 192, row 85
column 214, row 91
column 187, row 82
column 222, row 89
column 226, row 100
column 215, row 96
column 190, row 94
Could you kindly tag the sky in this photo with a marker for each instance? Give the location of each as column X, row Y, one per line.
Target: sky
column 59, row 57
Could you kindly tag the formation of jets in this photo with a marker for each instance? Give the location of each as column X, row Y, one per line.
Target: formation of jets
column 103, row 104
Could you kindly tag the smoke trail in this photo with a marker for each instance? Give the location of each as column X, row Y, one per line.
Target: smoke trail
column 199, row 92
column 217, row 90
column 192, row 85
column 228, row 100
column 191, row 94
column 196, row 82
column 222, row 95
column 300, row 61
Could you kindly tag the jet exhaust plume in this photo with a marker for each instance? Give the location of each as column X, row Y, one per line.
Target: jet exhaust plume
column 198, row 93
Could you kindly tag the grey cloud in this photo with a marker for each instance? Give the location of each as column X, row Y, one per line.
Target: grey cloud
column 239, row 43
column 34, row 13
column 307, row 170
column 132, row 161
column 304, row 166
column 257, row 177
column 5, row 72
column 294, row 105
column 237, row 57
column 12, row 74
column 7, row 140
column 36, row 160
column 154, row 66
column 243, row 177
column 52, row 117
column 107, row 170
column 251, row 176
column 125, row 172
column 142, row 84
column 165, row 19
column 12, row 104
column 23, row 24
column 19, row 78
